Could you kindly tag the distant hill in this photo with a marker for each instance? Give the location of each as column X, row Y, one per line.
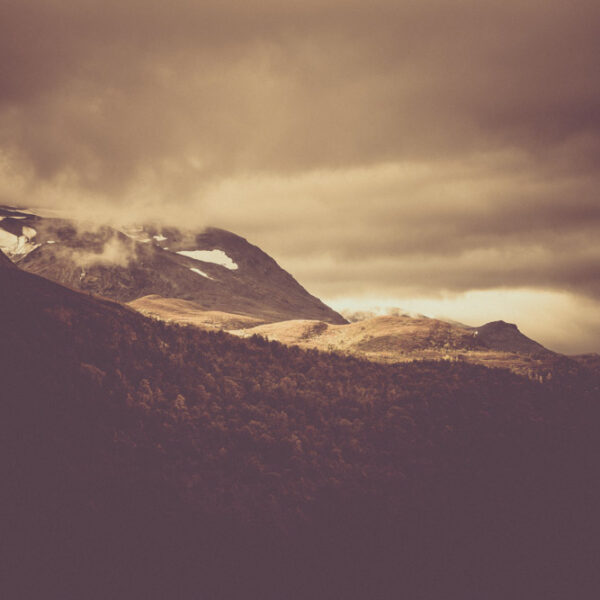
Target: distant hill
column 506, row 337
column 388, row 339
column 215, row 269
column 405, row 338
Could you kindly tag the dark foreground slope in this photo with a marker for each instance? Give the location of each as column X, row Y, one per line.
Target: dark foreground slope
column 142, row 460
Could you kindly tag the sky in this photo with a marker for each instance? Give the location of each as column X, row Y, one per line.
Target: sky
column 434, row 155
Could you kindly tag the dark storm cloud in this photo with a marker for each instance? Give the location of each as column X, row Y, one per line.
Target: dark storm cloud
column 272, row 85
column 388, row 145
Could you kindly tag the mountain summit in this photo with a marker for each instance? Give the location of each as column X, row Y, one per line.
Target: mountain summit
column 506, row 337
column 214, row 269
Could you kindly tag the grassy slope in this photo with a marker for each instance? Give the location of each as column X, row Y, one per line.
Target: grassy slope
column 393, row 339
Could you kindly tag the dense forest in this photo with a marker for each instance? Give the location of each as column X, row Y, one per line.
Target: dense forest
column 146, row 460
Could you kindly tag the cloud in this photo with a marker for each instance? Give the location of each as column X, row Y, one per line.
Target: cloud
column 114, row 251
column 403, row 147
column 420, row 229
column 107, row 90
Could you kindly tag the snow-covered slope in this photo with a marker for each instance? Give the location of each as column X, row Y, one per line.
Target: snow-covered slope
column 216, row 269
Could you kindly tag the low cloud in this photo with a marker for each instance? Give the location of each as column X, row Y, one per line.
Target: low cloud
column 114, row 251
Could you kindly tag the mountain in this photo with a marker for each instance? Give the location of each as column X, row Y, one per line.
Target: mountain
column 214, row 269
column 506, row 337
column 404, row 338
column 147, row 460
column 216, row 280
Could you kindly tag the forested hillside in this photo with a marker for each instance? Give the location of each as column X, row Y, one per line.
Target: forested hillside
column 150, row 460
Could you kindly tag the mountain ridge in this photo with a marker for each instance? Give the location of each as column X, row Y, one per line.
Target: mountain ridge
column 215, row 268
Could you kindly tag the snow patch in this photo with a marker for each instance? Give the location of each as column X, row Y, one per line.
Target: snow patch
column 29, row 232
column 218, row 257
column 7, row 239
column 50, row 242
column 201, row 273
column 159, row 238
column 18, row 244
